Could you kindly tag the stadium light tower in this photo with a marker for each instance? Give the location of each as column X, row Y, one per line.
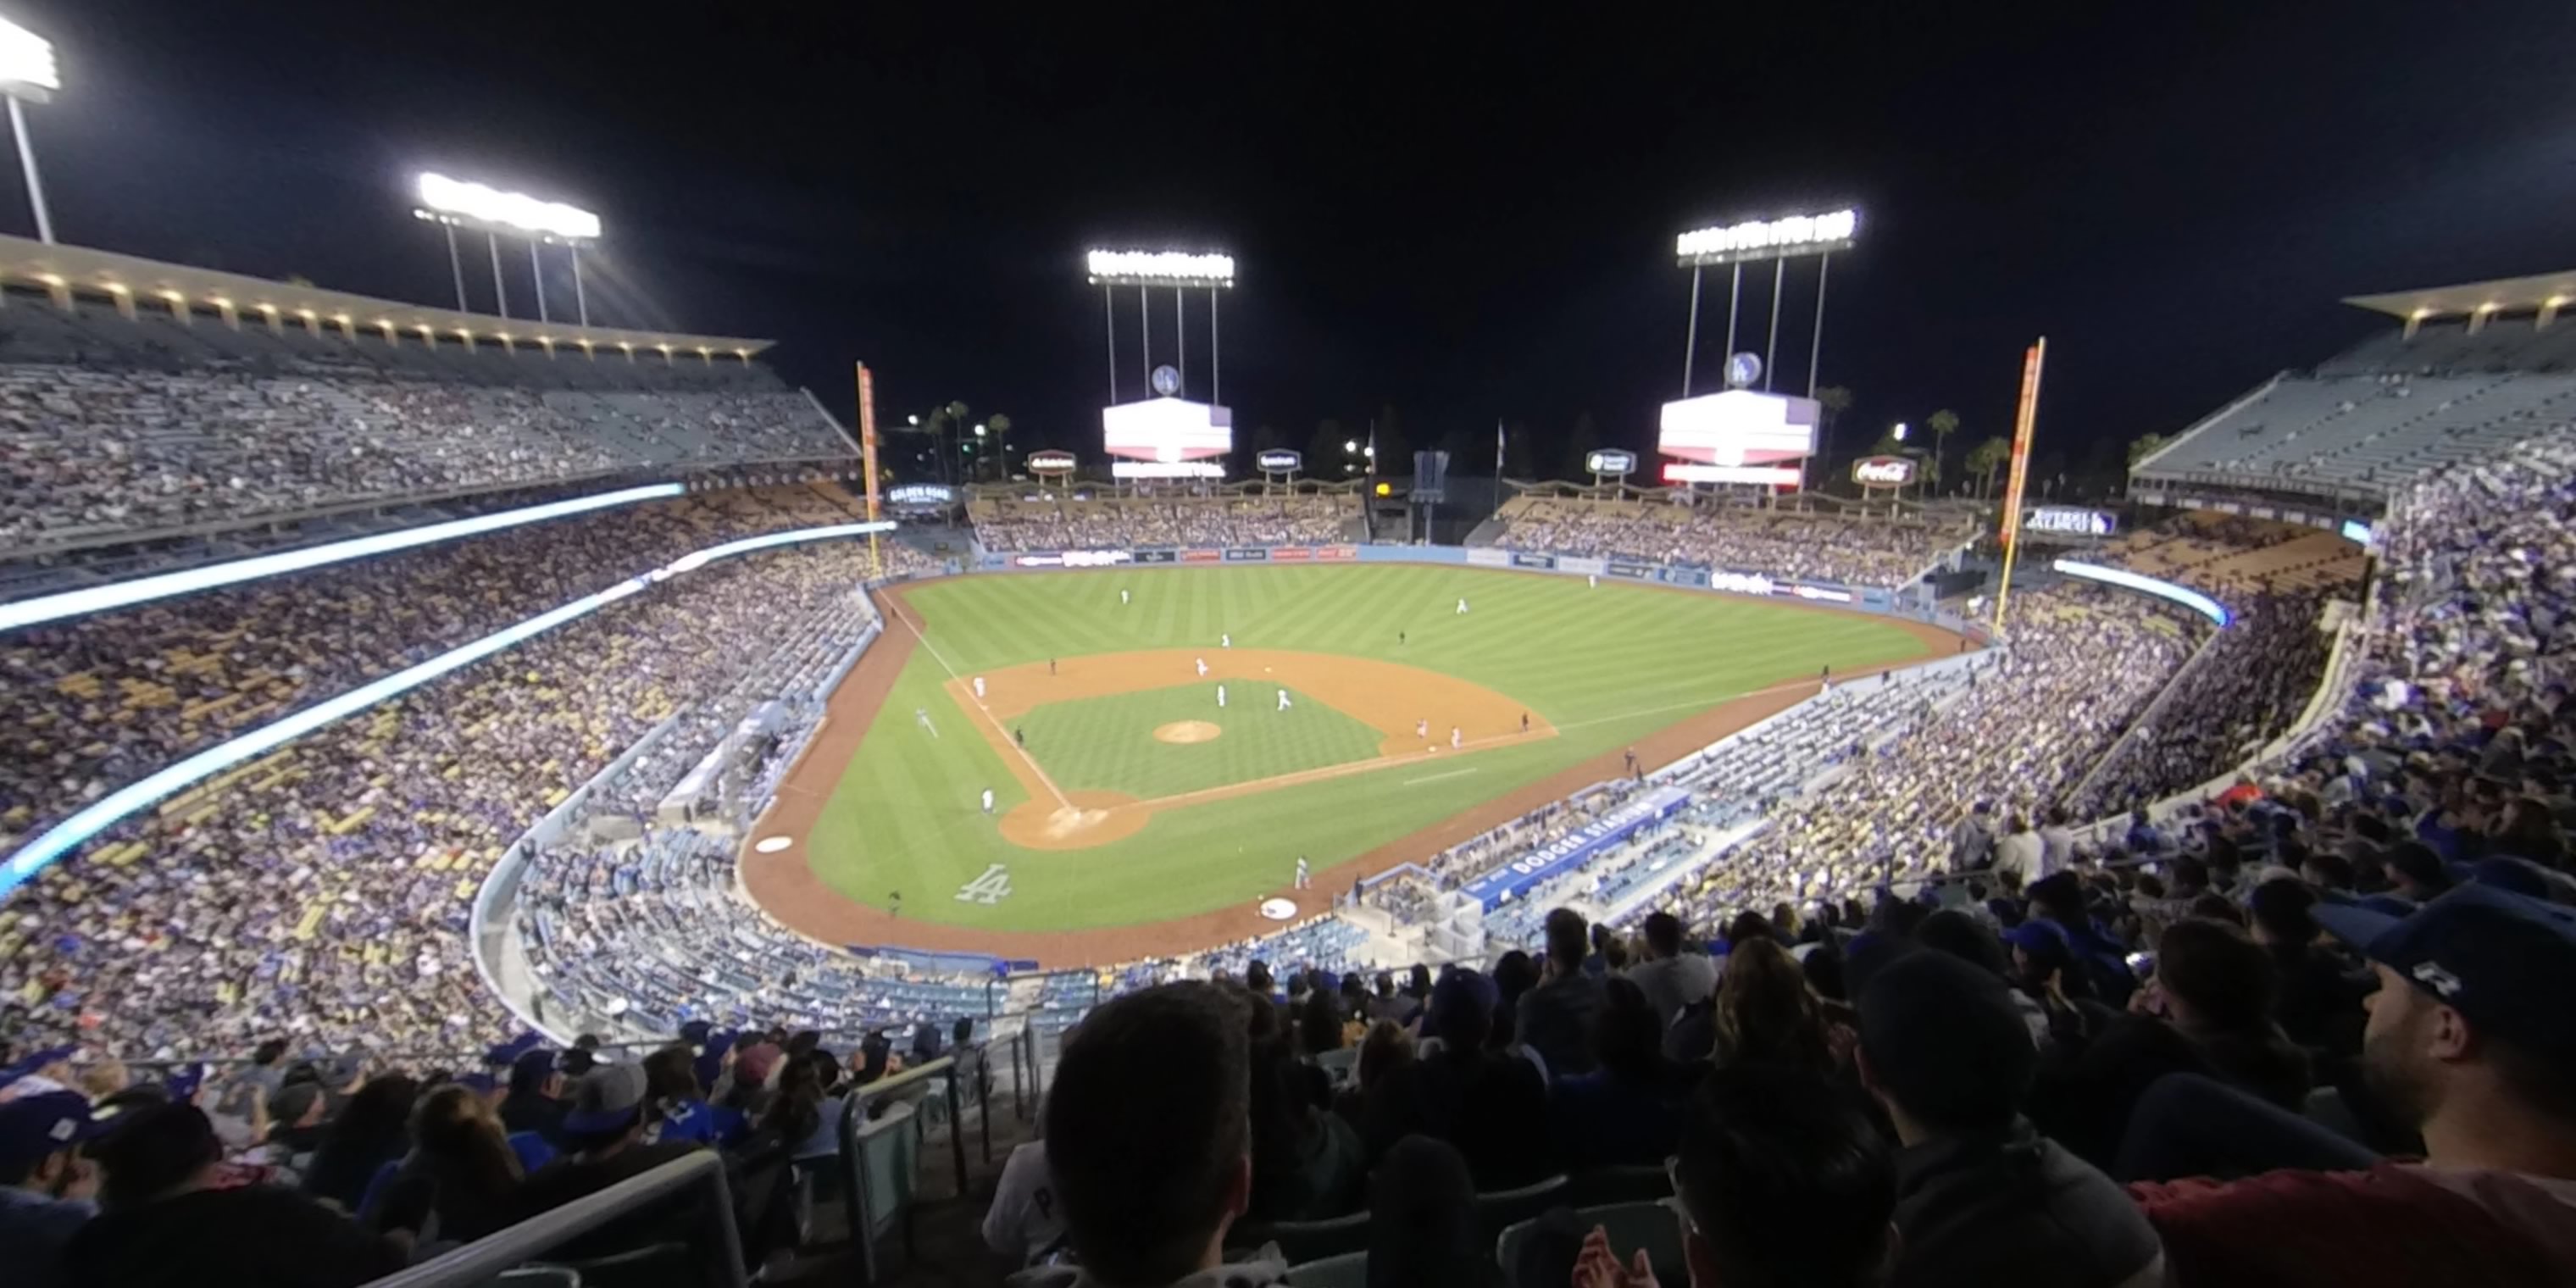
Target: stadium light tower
column 27, row 75
column 1146, row 269
column 1777, row 240
column 457, row 204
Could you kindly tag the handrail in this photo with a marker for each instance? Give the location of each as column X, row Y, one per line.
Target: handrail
column 479, row 1261
column 854, row 1191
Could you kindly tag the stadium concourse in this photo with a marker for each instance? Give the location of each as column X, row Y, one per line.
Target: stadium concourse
column 1893, row 997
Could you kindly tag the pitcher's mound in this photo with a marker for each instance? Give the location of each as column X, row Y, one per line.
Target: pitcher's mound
column 1187, row 731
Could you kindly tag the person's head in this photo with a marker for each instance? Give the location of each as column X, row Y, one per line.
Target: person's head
column 1386, row 1048
column 962, row 1032
column 41, row 1136
column 462, row 1141
column 671, row 1074
column 1964, row 937
column 1943, row 1046
column 606, row 1110
column 1568, row 940
column 2279, row 910
column 1663, row 935
column 2468, row 1038
column 153, row 1152
column 1385, row 984
column 1627, row 1035
column 1146, row 1130
column 534, row 1074
column 2416, row 871
column 2327, row 870
column 1461, row 1013
column 298, row 1104
column 2214, row 977
column 1747, row 925
column 1319, row 1023
column 1418, row 983
column 267, row 1054
column 1765, row 1014
column 1256, row 977
column 1782, row 1182
column 1422, row 1218
column 380, row 1111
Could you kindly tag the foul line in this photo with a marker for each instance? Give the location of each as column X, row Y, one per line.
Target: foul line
column 1004, row 738
column 1454, row 773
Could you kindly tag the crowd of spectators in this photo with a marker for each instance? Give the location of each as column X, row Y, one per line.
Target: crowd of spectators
column 130, row 446
column 2253, row 681
column 1822, row 545
column 1128, row 523
column 323, row 891
column 92, row 703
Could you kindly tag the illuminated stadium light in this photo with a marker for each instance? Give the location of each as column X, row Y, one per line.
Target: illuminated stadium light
column 1759, row 239
column 515, row 212
column 1159, row 268
column 123, row 594
column 2122, row 577
column 26, row 63
column 125, row 801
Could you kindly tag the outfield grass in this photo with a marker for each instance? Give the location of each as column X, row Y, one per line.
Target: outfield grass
column 1108, row 744
column 1606, row 665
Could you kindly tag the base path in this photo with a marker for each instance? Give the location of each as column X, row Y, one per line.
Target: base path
column 788, row 889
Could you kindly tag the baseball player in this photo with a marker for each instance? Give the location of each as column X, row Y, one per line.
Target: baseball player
column 1220, row 696
column 1283, row 699
column 979, row 688
column 1303, row 882
column 1202, row 668
column 1456, row 738
column 1122, row 597
column 1422, row 728
column 1462, row 608
column 1225, row 641
column 921, row 716
column 1592, row 579
column 988, row 800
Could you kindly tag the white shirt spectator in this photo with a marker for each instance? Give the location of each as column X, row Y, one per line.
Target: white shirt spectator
column 1024, row 1222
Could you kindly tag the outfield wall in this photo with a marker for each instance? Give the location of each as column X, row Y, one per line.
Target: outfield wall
column 1915, row 605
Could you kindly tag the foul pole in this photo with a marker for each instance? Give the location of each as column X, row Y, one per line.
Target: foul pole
column 868, row 461
column 2024, row 421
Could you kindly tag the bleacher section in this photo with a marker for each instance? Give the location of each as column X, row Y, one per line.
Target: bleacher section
column 1823, row 543
column 114, row 429
column 2216, row 552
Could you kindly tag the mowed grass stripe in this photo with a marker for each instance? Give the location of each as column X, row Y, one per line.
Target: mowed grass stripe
column 1606, row 665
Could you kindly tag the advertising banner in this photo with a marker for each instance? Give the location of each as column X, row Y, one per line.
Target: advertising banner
column 1337, row 553
column 1611, row 461
column 1823, row 594
column 1572, row 850
column 1158, row 556
column 1682, row 576
column 1489, row 557
column 1289, row 554
column 1642, row 572
column 1280, row 460
column 1072, row 559
column 1524, row 559
column 1247, row 556
column 1741, row 583
column 1581, row 566
column 1202, row 556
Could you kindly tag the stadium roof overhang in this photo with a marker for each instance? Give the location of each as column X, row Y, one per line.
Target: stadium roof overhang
column 131, row 279
column 2550, row 291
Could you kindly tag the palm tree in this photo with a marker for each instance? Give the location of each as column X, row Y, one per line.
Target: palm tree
column 1984, row 459
column 1834, row 400
column 999, row 426
column 1942, row 423
column 2144, row 446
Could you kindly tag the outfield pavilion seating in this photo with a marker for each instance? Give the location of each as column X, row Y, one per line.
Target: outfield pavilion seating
column 1819, row 541
column 1008, row 523
column 2216, row 553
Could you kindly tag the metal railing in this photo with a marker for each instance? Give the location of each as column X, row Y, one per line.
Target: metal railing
column 478, row 1262
column 855, row 1190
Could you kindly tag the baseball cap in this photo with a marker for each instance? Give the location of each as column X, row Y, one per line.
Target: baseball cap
column 1945, row 1039
column 32, row 1127
column 2504, row 960
column 608, row 1098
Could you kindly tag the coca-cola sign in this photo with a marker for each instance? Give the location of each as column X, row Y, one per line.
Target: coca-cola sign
column 1883, row 471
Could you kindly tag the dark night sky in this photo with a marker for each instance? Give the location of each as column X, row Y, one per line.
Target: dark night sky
column 1448, row 211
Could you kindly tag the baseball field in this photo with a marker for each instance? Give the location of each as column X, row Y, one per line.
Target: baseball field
column 1163, row 745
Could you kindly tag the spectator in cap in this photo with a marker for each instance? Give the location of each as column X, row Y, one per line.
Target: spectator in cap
column 1982, row 1197
column 48, row 1069
column 2468, row 1039
column 164, row 1223
column 1490, row 1105
column 1555, row 1018
column 1147, row 1141
column 603, row 1135
column 45, row 1184
column 533, row 1103
column 1780, row 1181
column 2416, row 872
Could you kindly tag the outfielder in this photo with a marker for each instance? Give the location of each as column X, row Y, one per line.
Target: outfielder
column 1225, row 641
column 1122, row 597
column 988, row 800
column 1283, row 699
column 921, row 715
column 1592, row 579
column 1462, row 608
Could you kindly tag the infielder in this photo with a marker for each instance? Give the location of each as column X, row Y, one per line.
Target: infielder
column 1422, row 728
column 1462, row 608
column 1303, row 882
column 1220, row 695
column 1225, row 641
column 1283, row 699
column 979, row 688
column 921, row 715
column 1456, row 739
column 1202, row 668
column 988, row 800
column 1592, row 579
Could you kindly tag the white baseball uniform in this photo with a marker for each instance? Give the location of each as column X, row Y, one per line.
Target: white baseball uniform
column 1283, row 699
column 979, row 688
column 988, row 800
column 1462, row 608
column 1122, row 597
column 1202, row 668
column 1220, row 695
column 1455, row 738
column 1225, row 641
column 1421, row 728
